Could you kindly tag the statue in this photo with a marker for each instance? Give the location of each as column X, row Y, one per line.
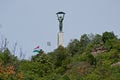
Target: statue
column 60, row 23
column 60, row 16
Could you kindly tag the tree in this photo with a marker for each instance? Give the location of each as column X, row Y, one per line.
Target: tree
column 106, row 36
column 97, row 40
column 74, row 47
column 60, row 55
column 84, row 41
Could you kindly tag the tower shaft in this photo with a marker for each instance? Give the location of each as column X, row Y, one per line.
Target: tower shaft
column 60, row 39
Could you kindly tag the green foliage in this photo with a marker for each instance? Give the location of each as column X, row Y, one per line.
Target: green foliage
column 39, row 67
column 74, row 47
column 84, row 40
column 74, row 62
column 92, row 76
column 112, row 44
column 60, row 55
column 108, row 36
column 95, row 42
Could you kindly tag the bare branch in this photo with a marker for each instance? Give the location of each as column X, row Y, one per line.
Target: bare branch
column 4, row 44
column 14, row 48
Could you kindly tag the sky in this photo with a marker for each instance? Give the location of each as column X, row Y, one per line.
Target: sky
column 34, row 22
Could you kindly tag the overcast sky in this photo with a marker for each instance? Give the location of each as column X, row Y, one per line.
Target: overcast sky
column 34, row 22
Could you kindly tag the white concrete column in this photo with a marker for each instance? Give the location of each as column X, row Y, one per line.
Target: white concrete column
column 61, row 39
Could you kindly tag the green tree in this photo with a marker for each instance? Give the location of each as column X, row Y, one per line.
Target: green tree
column 106, row 36
column 7, row 58
column 84, row 41
column 74, row 47
column 60, row 55
column 97, row 41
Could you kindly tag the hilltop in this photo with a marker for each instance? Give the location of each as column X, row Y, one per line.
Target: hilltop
column 92, row 57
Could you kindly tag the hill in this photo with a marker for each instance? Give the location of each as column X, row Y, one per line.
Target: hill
column 93, row 57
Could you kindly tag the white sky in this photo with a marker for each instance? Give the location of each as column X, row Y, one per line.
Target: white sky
column 34, row 22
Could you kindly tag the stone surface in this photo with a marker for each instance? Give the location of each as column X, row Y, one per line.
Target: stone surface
column 61, row 39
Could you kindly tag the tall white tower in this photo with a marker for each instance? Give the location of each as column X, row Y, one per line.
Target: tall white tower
column 60, row 16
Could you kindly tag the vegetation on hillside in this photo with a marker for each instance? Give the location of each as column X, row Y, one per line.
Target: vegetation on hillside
column 92, row 57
